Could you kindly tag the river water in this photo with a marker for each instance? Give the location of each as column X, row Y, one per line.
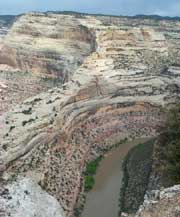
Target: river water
column 103, row 199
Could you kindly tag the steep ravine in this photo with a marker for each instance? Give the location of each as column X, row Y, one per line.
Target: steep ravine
column 118, row 90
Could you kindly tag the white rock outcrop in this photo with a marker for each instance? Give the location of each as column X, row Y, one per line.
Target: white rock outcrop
column 26, row 198
column 164, row 203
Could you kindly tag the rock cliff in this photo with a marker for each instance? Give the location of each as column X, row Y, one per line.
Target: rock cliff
column 161, row 203
column 49, row 44
column 117, row 74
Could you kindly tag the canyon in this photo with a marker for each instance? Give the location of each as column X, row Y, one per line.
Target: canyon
column 114, row 76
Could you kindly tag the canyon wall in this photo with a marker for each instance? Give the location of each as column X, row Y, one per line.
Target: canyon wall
column 47, row 44
column 120, row 77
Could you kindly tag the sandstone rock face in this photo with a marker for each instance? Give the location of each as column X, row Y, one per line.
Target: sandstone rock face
column 117, row 92
column 26, row 198
column 49, row 44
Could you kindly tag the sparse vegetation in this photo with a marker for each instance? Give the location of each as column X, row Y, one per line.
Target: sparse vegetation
column 49, row 102
column 29, row 121
column 37, row 100
column 137, row 168
column 11, row 128
column 170, row 146
column 140, row 16
column 91, row 169
column 89, row 179
column 28, row 111
column 175, row 64
column 52, row 81
column 89, row 182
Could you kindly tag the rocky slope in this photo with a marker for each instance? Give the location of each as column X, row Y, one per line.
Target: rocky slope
column 161, row 203
column 128, row 70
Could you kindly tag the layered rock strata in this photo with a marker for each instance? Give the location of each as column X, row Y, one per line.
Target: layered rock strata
column 116, row 93
column 47, row 44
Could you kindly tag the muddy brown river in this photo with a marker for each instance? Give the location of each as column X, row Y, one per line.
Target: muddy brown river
column 102, row 200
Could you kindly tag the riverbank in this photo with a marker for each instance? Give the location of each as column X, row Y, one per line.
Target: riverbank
column 107, row 183
column 88, row 177
column 136, row 168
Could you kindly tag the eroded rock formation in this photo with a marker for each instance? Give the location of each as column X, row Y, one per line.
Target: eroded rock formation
column 161, row 203
column 117, row 92
column 49, row 44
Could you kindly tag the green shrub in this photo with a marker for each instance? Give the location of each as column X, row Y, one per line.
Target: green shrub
column 92, row 167
column 28, row 111
column 28, row 122
column 11, row 128
column 89, row 183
